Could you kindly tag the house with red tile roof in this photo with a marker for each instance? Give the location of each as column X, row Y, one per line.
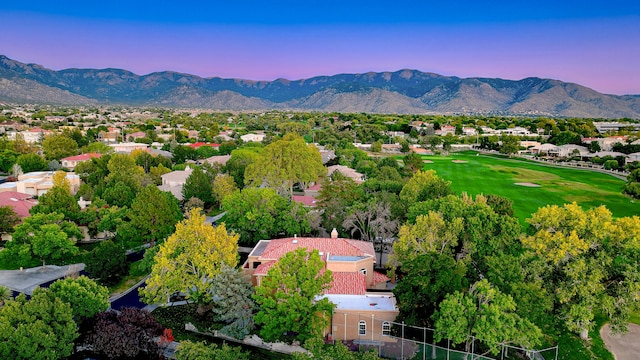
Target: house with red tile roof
column 364, row 310
column 201, row 144
column 71, row 161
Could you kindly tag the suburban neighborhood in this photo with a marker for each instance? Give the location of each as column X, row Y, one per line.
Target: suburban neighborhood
column 277, row 232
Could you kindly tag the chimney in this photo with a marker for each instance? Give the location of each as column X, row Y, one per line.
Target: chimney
column 334, row 233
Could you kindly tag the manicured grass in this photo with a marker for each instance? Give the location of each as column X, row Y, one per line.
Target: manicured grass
column 485, row 174
column 635, row 318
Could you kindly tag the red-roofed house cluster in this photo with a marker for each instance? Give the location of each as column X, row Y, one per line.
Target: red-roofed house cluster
column 364, row 310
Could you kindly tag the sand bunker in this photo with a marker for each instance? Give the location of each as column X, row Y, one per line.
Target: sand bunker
column 527, row 184
column 427, row 161
column 459, row 161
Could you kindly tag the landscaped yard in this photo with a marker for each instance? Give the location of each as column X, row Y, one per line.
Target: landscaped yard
column 486, row 174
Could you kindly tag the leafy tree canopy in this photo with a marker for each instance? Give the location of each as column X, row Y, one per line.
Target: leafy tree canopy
column 41, row 328
column 287, row 297
column 189, row 259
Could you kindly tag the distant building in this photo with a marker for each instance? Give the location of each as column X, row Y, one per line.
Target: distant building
column 128, row 147
column 174, row 181
column 253, row 137
column 71, row 161
column 39, row 182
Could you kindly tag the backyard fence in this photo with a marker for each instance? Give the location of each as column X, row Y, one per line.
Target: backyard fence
column 393, row 340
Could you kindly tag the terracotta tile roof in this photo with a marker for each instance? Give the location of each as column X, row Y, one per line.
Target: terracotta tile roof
column 379, row 278
column 263, row 268
column 317, row 186
column 82, row 157
column 19, row 202
column 348, row 283
column 304, row 200
column 199, row 144
column 341, row 247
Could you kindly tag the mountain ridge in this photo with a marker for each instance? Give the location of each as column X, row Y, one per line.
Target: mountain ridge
column 404, row 91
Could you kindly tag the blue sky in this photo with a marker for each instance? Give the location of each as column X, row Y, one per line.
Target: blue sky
column 596, row 44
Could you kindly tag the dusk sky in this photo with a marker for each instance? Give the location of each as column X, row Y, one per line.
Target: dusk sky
column 593, row 43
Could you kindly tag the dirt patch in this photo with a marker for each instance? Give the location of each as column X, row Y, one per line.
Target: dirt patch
column 427, row 161
column 459, row 161
column 623, row 346
column 527, row 184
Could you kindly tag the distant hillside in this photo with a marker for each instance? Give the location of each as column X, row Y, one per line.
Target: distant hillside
column 403, row 92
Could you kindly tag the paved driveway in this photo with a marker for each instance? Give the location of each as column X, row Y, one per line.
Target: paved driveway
column 623, row 346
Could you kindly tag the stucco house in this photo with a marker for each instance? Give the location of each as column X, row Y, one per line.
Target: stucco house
column 174, row 181
column 364, row 310
column 128, row 147
column 39, row 182
column 253, row 137
column 346, row 171
column 71, row 161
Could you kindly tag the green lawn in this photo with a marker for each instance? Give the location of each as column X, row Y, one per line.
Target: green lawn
column 486, row 174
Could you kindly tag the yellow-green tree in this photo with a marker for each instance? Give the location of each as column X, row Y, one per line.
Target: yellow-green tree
column 189, row 259
column 286, row 162
column 589, row 261
column 223, row 186
column 430, row 234
column 424, row 185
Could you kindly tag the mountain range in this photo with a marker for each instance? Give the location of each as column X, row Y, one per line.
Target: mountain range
column 400, row 92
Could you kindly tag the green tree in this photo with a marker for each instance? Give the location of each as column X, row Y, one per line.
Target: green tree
column 98, row 147
column 287, row 297
column 198, row 185
column 233, row 304
column 486, row 314
column 7, row 159
column 594, row 147
column 510, row 145
column 238, row 162
column 376, row 146
column 427, row 279
column 31, row 162
column 41, row 328
column 334, row 201
column 424, row 185
column 431, row 233
column 119, row 193
column 5, row 294
column 413, row 162
column 58, row 199
column 41, row 237
column 56, row 147
column 107, row 262
column 8, row 219
column 286, row 162
column 84, row 295
column 189, row 259
column 188, row 350
column 223, row 186
column 484, row 232
column 258, row 214
column 588, row 261
column 153, row 217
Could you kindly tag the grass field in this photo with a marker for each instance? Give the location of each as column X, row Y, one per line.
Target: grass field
column 486, row 174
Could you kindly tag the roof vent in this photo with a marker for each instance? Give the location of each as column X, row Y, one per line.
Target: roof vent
column 334, row 233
